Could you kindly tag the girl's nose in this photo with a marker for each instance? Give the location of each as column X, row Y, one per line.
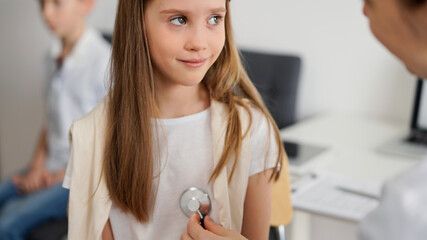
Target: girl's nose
column 197, row 39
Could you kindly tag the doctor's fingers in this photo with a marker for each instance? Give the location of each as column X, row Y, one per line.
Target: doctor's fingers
column 202, row 236
column 196, row 232
column 211, row 226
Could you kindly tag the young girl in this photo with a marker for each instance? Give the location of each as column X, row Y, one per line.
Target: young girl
column 181, row 113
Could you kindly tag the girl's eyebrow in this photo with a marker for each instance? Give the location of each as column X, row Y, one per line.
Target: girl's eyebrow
column 221, row 10
column 172, row 10
column 175, row 10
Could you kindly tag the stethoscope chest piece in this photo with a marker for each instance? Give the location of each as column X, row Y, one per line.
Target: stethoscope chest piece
column 194, row 200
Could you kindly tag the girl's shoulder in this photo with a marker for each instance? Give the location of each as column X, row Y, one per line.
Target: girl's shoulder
column 260, row 125
column 250, row 115
column 259, row 121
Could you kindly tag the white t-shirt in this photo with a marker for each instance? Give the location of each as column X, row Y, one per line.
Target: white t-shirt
column 186, row 160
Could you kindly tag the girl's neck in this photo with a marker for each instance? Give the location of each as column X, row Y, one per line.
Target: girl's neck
column 178, row 101
column 69, row 41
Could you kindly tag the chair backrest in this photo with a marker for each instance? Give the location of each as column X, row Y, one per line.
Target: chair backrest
column 276, row 78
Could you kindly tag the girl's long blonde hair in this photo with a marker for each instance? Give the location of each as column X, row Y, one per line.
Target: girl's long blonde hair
column 130, row 149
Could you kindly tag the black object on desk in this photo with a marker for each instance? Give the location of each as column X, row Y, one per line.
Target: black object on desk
column 299, row 154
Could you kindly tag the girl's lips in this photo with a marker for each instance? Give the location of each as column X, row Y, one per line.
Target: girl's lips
column 194, row 63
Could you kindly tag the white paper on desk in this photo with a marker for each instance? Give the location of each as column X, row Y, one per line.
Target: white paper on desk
column 322, row 195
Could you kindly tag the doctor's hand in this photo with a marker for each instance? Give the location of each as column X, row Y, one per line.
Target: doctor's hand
column 213, row 231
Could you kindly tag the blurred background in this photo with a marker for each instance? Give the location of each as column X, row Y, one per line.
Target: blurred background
column 344, row 67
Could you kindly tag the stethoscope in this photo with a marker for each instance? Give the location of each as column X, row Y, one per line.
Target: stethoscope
column 195, row 200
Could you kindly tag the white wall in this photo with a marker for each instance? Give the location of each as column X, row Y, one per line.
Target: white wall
column 22, row 43
column 345, row 69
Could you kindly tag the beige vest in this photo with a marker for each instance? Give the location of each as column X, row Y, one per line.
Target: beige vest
column 89, row 203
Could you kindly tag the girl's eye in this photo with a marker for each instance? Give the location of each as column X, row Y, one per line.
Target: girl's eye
column 179, row 21
column 214, row 20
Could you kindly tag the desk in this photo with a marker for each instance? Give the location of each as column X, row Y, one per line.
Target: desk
column 353, row 141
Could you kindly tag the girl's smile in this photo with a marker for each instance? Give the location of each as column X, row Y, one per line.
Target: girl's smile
column 194, row 63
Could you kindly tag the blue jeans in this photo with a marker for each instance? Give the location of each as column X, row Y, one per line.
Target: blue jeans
column 19, row 213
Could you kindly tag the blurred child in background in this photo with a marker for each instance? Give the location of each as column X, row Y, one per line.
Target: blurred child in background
column 76, row 72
